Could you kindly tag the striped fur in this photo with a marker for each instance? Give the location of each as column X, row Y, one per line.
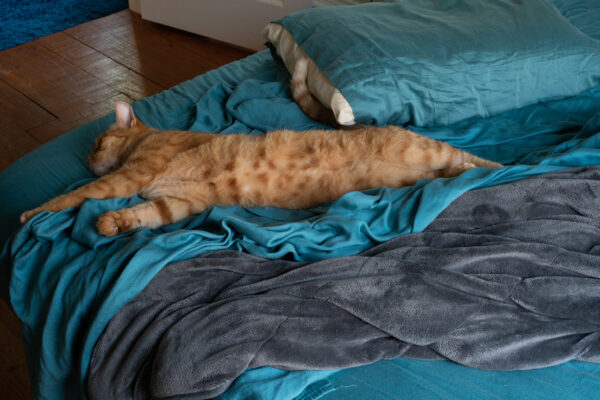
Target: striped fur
column 181, row 173
column 304, row 98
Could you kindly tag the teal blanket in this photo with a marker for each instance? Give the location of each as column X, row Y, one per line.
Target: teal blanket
column 66, row 281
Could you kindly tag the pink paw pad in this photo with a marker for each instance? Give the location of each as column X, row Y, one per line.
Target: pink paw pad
column 112, row 223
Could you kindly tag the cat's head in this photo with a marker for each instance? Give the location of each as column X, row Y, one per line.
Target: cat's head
column 113, row 147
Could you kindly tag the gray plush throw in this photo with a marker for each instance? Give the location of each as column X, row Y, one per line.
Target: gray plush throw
column 507, row 277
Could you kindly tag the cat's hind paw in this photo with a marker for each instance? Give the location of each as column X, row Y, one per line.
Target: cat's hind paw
column 112, row 223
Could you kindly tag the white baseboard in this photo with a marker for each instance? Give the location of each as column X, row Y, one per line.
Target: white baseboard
column 231, row 21
column 135, row 5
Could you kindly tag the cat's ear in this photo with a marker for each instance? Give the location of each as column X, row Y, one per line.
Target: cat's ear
column 125, row 116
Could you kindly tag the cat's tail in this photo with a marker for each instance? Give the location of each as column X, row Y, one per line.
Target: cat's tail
column 481, row 162
column 468, row 161
column 304, row 98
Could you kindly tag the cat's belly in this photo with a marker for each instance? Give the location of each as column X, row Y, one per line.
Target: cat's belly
column 307, row 187
column 291, row 186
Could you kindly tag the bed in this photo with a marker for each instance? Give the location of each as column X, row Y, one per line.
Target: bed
column 480, row 286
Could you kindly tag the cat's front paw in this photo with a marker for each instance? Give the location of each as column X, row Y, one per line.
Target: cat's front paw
column 112, row 223
column 27, row 215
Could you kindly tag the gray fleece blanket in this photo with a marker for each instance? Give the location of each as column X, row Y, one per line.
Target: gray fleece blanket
column 507, row 277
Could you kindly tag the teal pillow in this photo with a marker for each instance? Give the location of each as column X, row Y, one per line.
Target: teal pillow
column 436, row 62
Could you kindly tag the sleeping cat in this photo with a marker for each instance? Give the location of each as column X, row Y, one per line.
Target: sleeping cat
column 181, row 173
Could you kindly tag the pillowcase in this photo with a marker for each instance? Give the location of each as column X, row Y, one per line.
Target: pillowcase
column 436, row 62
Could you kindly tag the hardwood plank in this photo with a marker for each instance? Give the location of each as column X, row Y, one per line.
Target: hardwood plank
column 14, row 143
column 52, row 82
column 14, row 378
column 51, row 130
column 100, row 66
column 19, row 110
column 9, row 319
column 163, row 55
column 18, row 114
column 214, row 50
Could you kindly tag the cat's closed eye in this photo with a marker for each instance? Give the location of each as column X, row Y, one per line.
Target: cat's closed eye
column 105, row 154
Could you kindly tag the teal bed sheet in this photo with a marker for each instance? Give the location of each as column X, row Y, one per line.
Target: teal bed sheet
column 65, row 281
column 402, row 379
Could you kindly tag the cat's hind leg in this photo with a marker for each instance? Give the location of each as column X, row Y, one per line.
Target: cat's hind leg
column 151, row 214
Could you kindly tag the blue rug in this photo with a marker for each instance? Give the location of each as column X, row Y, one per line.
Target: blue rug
column 25, row 20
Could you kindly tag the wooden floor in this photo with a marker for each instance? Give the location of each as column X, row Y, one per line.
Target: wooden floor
column 57, row 83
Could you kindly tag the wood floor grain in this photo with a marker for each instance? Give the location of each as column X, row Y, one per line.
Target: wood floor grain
column 56, row 83
column 18, row 114
column 14, row 379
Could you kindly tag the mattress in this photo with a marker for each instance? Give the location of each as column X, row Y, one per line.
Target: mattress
column 252, row 96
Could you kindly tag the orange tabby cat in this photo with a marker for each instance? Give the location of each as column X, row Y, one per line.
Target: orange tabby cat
column 182, row 173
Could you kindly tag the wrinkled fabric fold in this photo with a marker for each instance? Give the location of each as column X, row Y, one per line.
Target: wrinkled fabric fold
column 67, row 281
column 506, row 278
